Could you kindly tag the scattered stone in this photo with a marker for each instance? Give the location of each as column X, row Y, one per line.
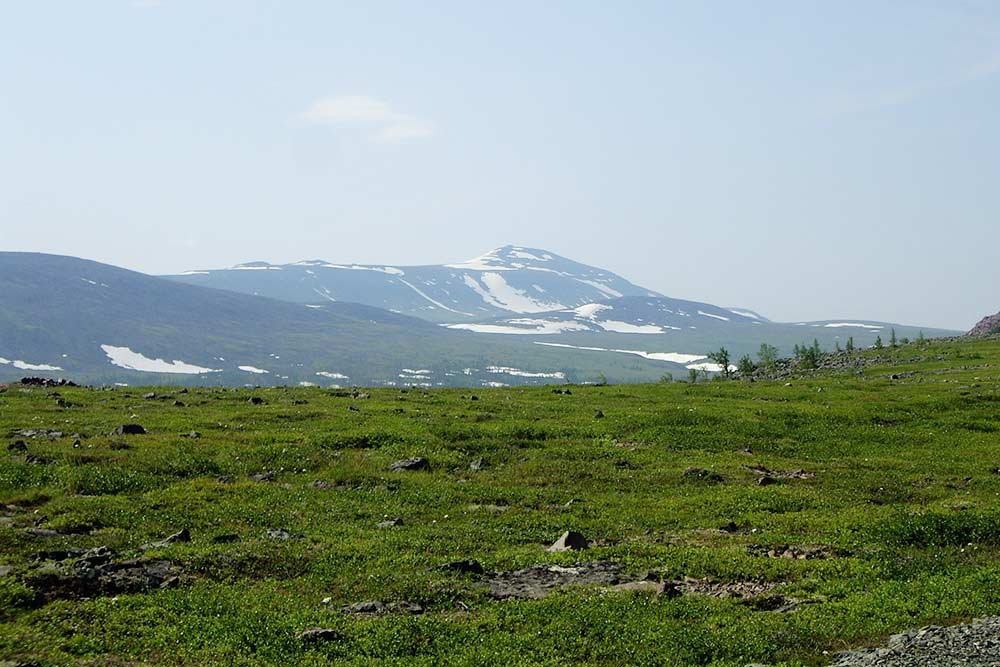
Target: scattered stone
column 976, row 643
column 224, row 479
column 569, row 541
column 766, row 480
column 41, row 532
column 266, row 476
column 463, row 567
column 478, row 464
column 791, row 552
column 780, row 474
column 377, row 607
column 563, row 392
column 415, row 463
column 150, row 396
column 95, row 572
column 702, row 474
column 391, row 523
column 598, row 414
column 473, row 398
column 33, row 433
column 194, row 435
column 322, row 485
column 538, row 581
column 226, row 538
column 181, row 536
column 47, row 382
column 281, row 534
column 129, row 429
column 63, row 403
column 729, row 527
column 255, row 400
column 179, row 404
column 38, row 460
column 17, row 446
column 360, row 395
column 317, row 635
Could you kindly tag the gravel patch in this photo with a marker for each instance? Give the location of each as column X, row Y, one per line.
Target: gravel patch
column 971, row 644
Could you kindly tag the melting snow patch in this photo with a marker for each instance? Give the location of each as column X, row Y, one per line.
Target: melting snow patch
column 25, row 366
column 673, row 357
column 615, row 294
column 590, row 310
column 500, row 294
column 626, row 327
column 710, row 367
column 253, row 369
column 490, row 383
column 506, row 370
column 744, row 313
column 520, row 253
column 333, row 376
column 195, row 273
column 852, row 324
column 436, row 303
column 718, row 317
column 124, row 357
column 522, row 326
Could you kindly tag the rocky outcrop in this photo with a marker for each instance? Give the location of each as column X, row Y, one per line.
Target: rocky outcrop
column 987, row 326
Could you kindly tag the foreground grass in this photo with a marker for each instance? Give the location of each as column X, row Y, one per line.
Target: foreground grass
column 902, row 512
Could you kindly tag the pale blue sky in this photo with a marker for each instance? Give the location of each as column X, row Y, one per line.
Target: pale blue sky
column 806, row 159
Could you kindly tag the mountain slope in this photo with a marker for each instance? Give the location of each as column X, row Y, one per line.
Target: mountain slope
column 677, row 329
column 98, row 323
column 503, row 282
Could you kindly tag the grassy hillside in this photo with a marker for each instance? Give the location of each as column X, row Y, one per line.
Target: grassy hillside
column 849, row 506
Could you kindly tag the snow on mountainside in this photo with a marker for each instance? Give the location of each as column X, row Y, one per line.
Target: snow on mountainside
column 511, row 280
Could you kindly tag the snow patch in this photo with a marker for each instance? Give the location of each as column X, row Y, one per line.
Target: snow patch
column 333, row 376
column 126, row 358
column 253, row 369
column 852, row 324
column 626, row 327
column 590, row 310
column 672, row 357
column 529, row 326
column 507, row 370
column 25, row 366
column 718, row 317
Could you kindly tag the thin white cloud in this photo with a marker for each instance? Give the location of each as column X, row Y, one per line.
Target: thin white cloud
column 853, row 103
column 383, row 123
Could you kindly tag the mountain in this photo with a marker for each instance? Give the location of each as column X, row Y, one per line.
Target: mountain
column 62, row 316
column 987, row 326
column 511, row 280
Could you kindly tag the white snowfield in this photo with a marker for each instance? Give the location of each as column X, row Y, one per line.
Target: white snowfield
column 743, row 313
column 835, row 325
column 333, row 376
column 627, row 327
column 507, row 370
column 710, row 367
column 253, row 369
column 126, row 358
column 255, row 268
column 590, row 310
column 25, row 366
column 523, row 326
column 718, row 317
column 673, row 357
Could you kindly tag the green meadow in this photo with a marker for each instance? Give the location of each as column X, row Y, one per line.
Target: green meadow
column 827, row 512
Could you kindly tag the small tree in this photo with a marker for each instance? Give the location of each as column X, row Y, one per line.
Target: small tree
column 904, row 341
column 767, row 356
column 746, row 366
column 920, row 337
column 692, row 375
column 878, row 343
column 666, row 378
column 721, row 358
column 850, row 344
column 892, row 338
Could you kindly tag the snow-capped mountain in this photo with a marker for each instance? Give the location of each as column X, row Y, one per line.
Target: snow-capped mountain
column 511, row 280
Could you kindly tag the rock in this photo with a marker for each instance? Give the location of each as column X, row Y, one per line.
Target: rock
column 41, row 532
column 729, row 527
column 255, row 400
column 538, row 581
column 17, row 446
column 150, row 396
column 598, row 414
column 415, row 463
column 702, row 474
column 181, row 536
column 391, row 523
column 224, row 479
column 322, row 485
column 179, row 404
column 473, row 398
column 194, row 435
column 670, row 589
column 987, row 326
column 226, row 538
column 317, row 635
column 563, row 392
column 569, row 541
column 129, row 429
column 376, row 607
column 462, row 566
column 478, row 464
column 33, row 433
column 281, row 534
column 266, row 476
column 766, row 480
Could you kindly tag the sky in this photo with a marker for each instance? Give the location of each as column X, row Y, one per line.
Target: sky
column 809, row 160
